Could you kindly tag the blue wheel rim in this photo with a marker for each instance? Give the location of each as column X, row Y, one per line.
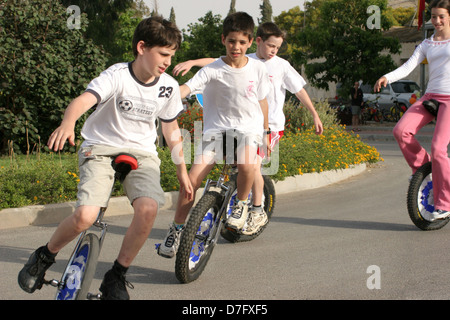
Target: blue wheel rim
column 75, row 275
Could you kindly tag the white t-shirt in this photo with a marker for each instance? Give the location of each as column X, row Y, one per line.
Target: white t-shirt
column 282, row 77
column 438, row 57
column 127, row 109
column 231, row 96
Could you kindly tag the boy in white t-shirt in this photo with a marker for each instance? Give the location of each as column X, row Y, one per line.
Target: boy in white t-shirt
column 129, row 97
column 283, row 76
column 234, row 91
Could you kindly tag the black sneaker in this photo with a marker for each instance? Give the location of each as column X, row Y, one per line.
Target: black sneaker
column 31, row 277
column 114, row 285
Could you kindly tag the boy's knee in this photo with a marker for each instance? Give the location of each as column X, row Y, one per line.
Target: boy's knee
column 84, row 217
column 145, row 210
column 246, row 169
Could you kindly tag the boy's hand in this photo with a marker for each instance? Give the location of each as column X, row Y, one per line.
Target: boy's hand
column 318, row 125
column 185, row 184
column 268, row 145
column 58, row 138
column 183, row 67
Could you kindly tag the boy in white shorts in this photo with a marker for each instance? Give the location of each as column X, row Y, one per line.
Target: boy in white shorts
column 283, row 76
column 234, row 91
column 129, row 97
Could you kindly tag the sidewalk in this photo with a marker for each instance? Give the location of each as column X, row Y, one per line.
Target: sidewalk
column 375, row 131
column 54, row 213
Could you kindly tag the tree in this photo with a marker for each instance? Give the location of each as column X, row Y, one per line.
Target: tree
column 341, row 46
column 202, row 39
column 172, row 17
column 44, row 65
column 232, row 7
column 103, row 16
column 266, row 12
column 291, row 22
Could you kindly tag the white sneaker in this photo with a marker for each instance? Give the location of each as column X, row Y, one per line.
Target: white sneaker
column 238, row 216
column 169, row 248
column 437, row 215
column 256, row 220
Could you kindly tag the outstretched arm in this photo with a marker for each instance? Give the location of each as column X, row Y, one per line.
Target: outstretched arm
column 172, row 134
column 184, row 67
column 66, row 131
column 381, row 82
column 303, row 96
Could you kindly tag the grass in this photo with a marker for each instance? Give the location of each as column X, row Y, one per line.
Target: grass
column 44, row 178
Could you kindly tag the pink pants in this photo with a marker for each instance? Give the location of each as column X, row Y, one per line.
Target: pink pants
column 415, row 155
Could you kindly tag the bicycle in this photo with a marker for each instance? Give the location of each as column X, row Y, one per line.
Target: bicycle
column 397, row 110
column 208, row 220
column 371, row 111
column 420, row 199
column 79, row 272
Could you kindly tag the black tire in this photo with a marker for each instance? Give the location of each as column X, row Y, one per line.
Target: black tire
column 199, row 238
column 420, row 199
column 80, row 273
column 269, row 204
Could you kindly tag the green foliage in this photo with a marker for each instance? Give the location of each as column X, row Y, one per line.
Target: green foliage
column 307, row 152
column 298, row 118
column 46, row 178
column 103, row 16
column 44, row 66
column 51, row 178
column 128, row 22
column 266, row 12
column 202, row 40
column 340, row 47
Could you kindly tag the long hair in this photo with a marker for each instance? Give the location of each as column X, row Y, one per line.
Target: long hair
column 443, row 4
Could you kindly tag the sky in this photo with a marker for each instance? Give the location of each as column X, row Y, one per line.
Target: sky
column 188, row 11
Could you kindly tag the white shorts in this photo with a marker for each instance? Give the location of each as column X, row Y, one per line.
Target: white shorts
column 229, row 146
column 97, row 176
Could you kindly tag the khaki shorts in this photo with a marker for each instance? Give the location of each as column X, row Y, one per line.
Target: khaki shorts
column 97, row 176
column 219, row 146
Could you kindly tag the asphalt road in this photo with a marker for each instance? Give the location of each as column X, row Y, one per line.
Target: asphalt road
column 350, row 240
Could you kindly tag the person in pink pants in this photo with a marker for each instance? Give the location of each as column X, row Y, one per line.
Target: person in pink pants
column 437, row 52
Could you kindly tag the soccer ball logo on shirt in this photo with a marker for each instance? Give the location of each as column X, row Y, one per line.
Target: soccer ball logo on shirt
column 125, row 105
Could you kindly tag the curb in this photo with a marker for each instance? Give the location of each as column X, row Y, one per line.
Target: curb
column 54, row 213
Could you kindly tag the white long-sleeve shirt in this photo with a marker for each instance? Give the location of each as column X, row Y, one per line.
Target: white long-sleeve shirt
column 437, row 54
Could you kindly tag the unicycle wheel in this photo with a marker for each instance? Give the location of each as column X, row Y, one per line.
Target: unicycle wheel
column 420, row 199
column 198, row 238
column 79, row 274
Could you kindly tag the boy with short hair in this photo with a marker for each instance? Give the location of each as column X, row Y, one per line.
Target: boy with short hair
column 283, row 76
column 234, row 89
column 129, row 98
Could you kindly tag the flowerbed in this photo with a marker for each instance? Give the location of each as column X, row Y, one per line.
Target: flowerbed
column 51, row 178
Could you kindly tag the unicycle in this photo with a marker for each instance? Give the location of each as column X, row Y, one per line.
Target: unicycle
column 207, row 221
column 420, row 199
column 80, row 269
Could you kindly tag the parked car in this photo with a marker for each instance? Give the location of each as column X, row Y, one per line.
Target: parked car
column 401, row 90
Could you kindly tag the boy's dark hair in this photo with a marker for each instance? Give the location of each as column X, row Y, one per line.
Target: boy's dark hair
column 268, row 29
column 156, row 31
column 239, row 22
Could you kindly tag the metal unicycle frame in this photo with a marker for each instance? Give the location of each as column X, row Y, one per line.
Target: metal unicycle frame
column 79, row 272
column 208, row 220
